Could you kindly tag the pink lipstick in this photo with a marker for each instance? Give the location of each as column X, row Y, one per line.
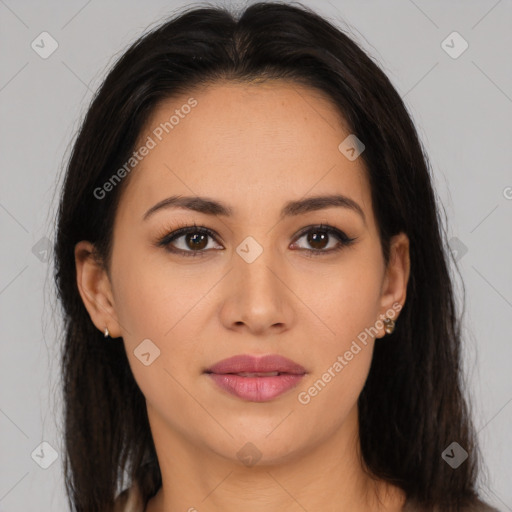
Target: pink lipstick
column 256, row 378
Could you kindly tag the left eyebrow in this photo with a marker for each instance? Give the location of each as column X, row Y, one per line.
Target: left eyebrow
column 209, row 206
column 195, row 203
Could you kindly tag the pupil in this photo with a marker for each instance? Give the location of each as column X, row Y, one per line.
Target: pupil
column 314, row 240
column 197, row 237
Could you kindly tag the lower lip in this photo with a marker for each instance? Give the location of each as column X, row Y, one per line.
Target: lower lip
column 256, row 389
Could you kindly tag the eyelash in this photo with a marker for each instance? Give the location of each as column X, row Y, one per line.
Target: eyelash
column 184, row 229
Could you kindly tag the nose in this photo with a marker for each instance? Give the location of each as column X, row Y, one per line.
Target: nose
column 256, row 297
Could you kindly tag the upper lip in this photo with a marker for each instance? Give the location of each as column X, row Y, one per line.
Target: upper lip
column 257, row 364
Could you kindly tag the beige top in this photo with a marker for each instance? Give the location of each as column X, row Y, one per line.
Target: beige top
column 130, row 500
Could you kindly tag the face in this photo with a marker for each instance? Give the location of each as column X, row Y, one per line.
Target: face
column 261, row 278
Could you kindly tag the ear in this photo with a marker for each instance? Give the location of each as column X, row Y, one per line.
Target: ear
column 394, row 286
column 95, row 289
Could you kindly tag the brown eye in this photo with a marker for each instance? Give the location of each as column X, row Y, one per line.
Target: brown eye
column 320, row 237
column 196, row 241
column 188, row 241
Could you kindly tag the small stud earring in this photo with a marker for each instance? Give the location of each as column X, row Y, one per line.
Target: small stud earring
column 106, row 333
column 389, row 325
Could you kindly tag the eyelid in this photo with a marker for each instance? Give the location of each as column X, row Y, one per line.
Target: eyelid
column 343, row 239
column 323, row 227
column 165, row 239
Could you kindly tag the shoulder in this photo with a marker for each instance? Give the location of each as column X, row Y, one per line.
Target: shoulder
column 477, row 506
column 129, row 500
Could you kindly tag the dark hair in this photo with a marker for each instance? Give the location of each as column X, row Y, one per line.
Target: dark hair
column 412, row 405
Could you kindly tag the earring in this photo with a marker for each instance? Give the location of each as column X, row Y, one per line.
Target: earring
column 106, row 334
column 389, row 325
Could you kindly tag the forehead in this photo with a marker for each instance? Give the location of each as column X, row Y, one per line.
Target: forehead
column 253, row 146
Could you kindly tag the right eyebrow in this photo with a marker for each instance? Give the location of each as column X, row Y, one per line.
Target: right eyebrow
column 210, row 206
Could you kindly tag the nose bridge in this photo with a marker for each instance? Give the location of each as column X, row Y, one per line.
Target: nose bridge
column 256, row 263
column 257, row 297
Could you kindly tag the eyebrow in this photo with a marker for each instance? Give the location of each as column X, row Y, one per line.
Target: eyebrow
column 209, row 206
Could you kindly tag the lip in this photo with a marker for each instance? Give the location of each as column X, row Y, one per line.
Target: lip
column 257, row 364
column 256, row 388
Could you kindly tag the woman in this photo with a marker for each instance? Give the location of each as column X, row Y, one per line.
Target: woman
column 259, row 311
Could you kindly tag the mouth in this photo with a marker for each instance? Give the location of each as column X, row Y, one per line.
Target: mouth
column 251, row 374
column 260, row 388
column 256, row 378
column 259, row 365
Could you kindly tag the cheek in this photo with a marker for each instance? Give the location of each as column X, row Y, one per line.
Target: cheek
column 152, row 299
column 347, row 300
column 158, row 309
column 343, row 355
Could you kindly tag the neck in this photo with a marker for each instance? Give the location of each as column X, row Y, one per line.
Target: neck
column 328, row 477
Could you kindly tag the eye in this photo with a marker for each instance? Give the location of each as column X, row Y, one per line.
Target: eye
column 319, row 237
column 193, row 240
column 188, row 240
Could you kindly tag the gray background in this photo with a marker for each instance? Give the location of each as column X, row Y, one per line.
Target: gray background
column 462, row 108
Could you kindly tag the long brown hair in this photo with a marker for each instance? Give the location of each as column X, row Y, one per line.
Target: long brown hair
column 412, row 405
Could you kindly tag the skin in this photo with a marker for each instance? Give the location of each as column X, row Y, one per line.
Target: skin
column 254, row 147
